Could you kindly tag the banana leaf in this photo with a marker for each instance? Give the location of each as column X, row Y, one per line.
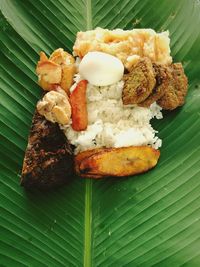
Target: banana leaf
column 147, row 220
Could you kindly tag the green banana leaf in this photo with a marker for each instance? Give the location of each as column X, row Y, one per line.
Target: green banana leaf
column 147, row 220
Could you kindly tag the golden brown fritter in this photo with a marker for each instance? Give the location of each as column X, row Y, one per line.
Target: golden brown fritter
column 163, row 76
column 176, row 91
column 139, row 82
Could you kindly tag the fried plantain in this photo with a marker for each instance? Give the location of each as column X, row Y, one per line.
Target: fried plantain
column 120, row 162
column 84, row 155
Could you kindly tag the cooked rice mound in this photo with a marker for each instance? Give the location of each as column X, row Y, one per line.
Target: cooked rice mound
column 111, row 124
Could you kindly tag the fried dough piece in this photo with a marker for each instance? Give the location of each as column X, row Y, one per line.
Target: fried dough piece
column 68, row 72
column 84, row 155
column 175, row 94
column 43, row 56
column 56, row 71
column 139, row 82
column 120, row 162
column 60, row 56
column 48, row 160
column 163, row 76
column 49, row 71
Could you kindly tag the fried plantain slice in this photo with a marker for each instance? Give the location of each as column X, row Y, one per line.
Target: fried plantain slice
column 120, row 162
column 84, row 155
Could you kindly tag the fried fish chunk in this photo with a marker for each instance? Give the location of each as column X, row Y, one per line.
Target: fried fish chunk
column 177, row 89
column 120, row 162
column 163, row 76
column 139, row 82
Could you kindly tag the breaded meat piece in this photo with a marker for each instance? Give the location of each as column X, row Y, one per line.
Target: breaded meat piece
column 163, row 76
column 139, row 82
column 175, row 94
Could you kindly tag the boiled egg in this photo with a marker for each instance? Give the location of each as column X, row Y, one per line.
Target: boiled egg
column 101, row 69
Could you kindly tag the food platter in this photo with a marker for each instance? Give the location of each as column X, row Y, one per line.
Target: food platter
column 146, row 220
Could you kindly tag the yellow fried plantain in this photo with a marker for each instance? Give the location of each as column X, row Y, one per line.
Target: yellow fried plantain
column 120, row 161
column 83, row 155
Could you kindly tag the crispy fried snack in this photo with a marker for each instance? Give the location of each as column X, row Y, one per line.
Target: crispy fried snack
column 139, row 82
column 116, row 162
column 56, row 71
column 125, row 44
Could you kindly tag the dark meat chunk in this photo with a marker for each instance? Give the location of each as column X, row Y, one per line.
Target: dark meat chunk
column 163, row 76
column 177, row 89
column 139, row 82
column 48, row 159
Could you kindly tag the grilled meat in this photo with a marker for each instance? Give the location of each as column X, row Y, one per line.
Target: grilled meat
column 48, row 159
column 175, row 94
column 146, row 83
column 163, row 76
column 139, row 82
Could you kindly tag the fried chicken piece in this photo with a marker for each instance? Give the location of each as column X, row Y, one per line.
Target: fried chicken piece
column 48, row 160
column 175, row 94
column 163, row 76
column 139, row 82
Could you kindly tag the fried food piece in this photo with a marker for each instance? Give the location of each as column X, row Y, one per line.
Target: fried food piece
column 80, row 157
column 125, row 44
column 55, row 107
column 119, row 162
column 139, row 82
column 48, row 160
column 49, row 71
column 60, row 56
column 46, row 86
column 79, row 107
column 56, row 71
column 43, row 56
column 163, row 76
column 68, row 72
column 178, row 86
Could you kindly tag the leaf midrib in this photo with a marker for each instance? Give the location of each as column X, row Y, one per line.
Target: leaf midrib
column 88, row 221
column 88, row 7
column 88, row 183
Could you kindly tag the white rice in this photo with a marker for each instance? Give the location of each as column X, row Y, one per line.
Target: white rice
column 111, row 124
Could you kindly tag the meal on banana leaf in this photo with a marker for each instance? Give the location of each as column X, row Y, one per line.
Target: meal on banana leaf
column 94, row 119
